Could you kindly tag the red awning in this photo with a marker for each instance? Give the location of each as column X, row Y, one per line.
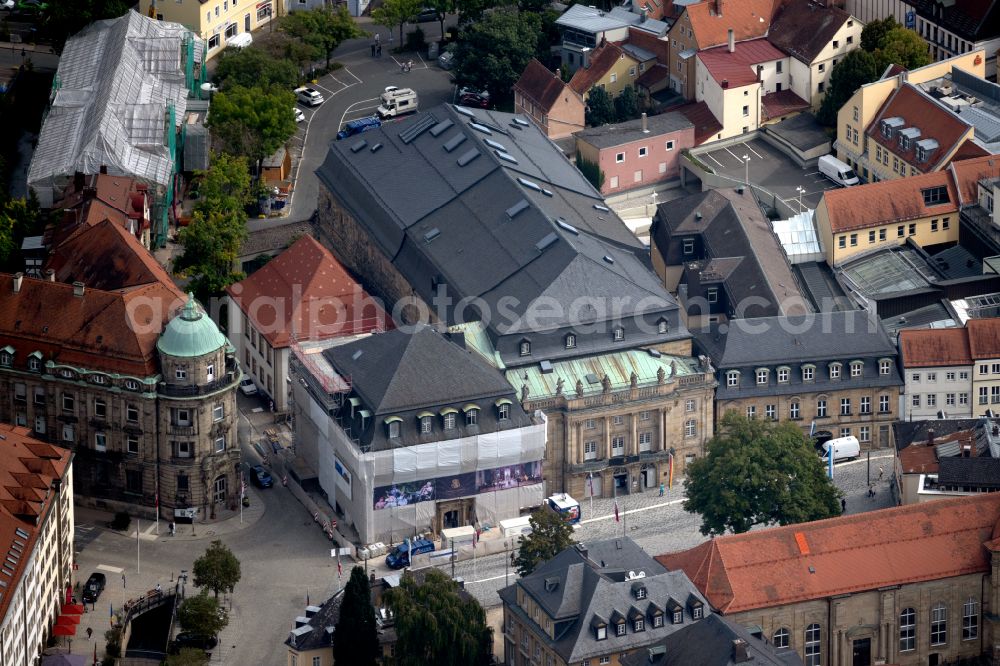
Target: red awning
column 68, row 620
column 72, row 609
column 64, row 630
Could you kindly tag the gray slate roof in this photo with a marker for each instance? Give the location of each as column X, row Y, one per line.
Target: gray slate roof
column 402, row 370
column 976, row 472
column 484, row 204
column 575, row 589
column 710, row 643
column 617, row 134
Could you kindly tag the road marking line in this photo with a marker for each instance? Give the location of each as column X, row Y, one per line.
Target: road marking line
column 108, row 567
column 352, row 74
column 337, row 80
column 325, row 88
column 351, row 107
column 486, row 580
column 750, row 148
column 712, row 157
column 625, row 513
column 740, row 159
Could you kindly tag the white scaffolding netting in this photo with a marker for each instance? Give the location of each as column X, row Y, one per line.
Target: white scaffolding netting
column 115, row 81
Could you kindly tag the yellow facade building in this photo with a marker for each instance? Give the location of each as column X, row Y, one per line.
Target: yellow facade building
column 610, row 67
column 215, row 21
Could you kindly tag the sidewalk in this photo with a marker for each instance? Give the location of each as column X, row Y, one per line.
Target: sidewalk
column 197, row 531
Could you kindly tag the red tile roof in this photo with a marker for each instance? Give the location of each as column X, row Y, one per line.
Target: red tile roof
column 102, row 197
column 804, row 28
column 106, row 256
column 849, row 554
column 737, row 69
column 968, row 150
column 705, row 124
column 934, row 347
column 984, row 338
column 658, row 47
column 920, row 458
column 748, row 19
column 28, row 468
column 108, row 331
column 602, row 59
column 315, row 297
column 540, row 85
column 887, row 201
column 920, row 111
column 781, row 103
column 968, row 172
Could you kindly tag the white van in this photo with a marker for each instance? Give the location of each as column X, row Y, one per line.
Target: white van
column 844, row 448
column 837, row 171
column 396, row 102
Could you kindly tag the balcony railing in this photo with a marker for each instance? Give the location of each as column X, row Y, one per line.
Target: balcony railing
column 175, row 429
column 172, row 391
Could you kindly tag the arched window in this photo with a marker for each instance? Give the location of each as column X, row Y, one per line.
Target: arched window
column 939, row 624
column 812, row 652
column 780, row 638
column 970, row 619
column 570, row 340
column 733, row 378
column 907, row 630
column 524, row 348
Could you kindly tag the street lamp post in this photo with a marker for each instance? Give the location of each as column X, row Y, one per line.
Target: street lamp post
column 800, row 190
column 746, row 172
column 506, row 563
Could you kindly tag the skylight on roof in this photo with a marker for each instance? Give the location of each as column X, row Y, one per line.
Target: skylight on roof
column 493, row 144
column 531, row 185
column 601, row 208
column 464, row 111
column 376, row 147
column 21, row 533
column 432, row 234
column 547, row 193
column 359, row 145
column 563, row 224
column 506, row 157
column 517, row 208
column 546, row 242
column 454, row 142
column 520, row 121
column 468, row 156
column 481, row 128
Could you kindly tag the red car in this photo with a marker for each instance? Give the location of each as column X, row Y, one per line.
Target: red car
column 475, row 98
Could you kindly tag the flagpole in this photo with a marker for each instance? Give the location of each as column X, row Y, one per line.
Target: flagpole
column 590, row 486
column 137, row 545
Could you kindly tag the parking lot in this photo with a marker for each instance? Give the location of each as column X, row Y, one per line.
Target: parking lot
column 768, row 168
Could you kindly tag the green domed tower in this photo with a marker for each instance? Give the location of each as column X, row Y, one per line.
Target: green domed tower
column 198, row 451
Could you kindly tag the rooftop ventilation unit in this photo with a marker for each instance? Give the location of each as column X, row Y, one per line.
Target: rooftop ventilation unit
column 546, row 242
column 432, row 234
column 603, row 209
column 376, row 147
column 454, row 142
column 563, row 224
column 439, row 129
column 468, row 156
column 358, row 146
column 517, row 208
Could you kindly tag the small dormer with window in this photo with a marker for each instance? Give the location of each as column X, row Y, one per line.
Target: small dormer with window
column 639, row 590
column 890, row 126
column 425, row 421
column 569, row 341
column 393, row 424
column 618, row 621
column 503, row 409
column 762, row 375
column 835, row 369
column 662, row 326
column 808, row 372
column 636, row 619
column 654, row 614
column 471, row 415
column 783, row 374
column 524, row 347
column 733, row 378
column 449, row 418
column 600, row 627
column 675, row 611
column 7, row 356
column 857, row 369
column 696, row 607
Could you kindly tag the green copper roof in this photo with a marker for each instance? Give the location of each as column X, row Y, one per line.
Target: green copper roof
column 191, row 333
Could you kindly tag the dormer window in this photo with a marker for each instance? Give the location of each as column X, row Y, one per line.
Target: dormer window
column 657, row 621
column 886, row 130
column 640, row 625
column 471, row 415
column 131, row 385
column 621, row 628
column 66, row 374
column 696, row 612
column 7, row 356
column 600, row 633
column 884, row 366
column 808, row 372
column 733, row 378
column 392, row 427
column 921, row 154
column 857, row 368
column 783, row 374
column 99, row 379
column 661, row 326
column 695, row 606
column 835, row 370
column 35, row 362
column 640, row 593
column 503, row 409
column 762, row 374
column 904, row 142
column 570, row 341
column 524, row 349
column 426, row 425
column 678, row 617
column 619, row 333
column 449, row 421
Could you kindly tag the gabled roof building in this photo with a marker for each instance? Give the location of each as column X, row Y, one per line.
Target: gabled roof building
column 551, row 104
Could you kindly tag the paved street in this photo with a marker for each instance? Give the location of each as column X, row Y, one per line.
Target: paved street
column 352, row 92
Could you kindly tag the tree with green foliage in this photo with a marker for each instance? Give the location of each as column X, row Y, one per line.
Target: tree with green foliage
column 591, row 171
column 853, row 71
column 472, row 11
column 600, row 107
column 627, row 104
column 492, row 53
column 225, row 186
column 252, row 67
column 396, row 13
column 187, row 657
column 875, row 31
column 549, row 536
column 211, row 245
column 323, row 28
column 201, row 615
column 758, row 472
column 355, row 640
column 253, row 122
column 19, row 218
column 442, row 7
column 901, row 46
column 218, row 569
column 436, row 624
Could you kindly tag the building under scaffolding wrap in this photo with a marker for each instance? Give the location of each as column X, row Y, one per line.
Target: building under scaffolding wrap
column 118, row 102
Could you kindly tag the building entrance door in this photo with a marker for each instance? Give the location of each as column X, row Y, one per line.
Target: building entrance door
column 220, row 490
column 246, row 23
column 450, row 519
column 862, row 652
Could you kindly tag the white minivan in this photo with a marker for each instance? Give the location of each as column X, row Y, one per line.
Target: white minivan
column 837, row 171
column 844, row 448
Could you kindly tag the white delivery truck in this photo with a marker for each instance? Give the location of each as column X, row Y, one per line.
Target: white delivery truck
column 397, row 101
column 837, row 171
column 843, row 448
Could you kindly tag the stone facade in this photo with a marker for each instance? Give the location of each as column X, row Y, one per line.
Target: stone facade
column 867, row 623
column 663, row 413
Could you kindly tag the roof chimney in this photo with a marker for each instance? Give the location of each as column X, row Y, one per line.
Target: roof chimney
column 18, row 279
column 50, row 275
column 104, row 169
column 78, row 180
column 741, row 651
column 645, row 123
column 732, row 38
column 967, row 451
column 78, row 289
column 930, row 437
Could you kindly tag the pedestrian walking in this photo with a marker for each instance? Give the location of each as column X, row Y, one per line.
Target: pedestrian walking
column 173, row 528
column 378, row 50
column 881, row 472
column 90, row 632
column 378, row 38
column 843, row 505
column 373, row 49
column 158, row 588
column 661, row 490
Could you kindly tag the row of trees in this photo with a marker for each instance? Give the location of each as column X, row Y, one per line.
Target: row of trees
column 603, row 109
column 883, row 43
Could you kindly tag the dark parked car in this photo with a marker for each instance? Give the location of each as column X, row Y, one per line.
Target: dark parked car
column 427, row 15
column 189, row 639
column 93, row 587
column 260, row 477
column 475, row 98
